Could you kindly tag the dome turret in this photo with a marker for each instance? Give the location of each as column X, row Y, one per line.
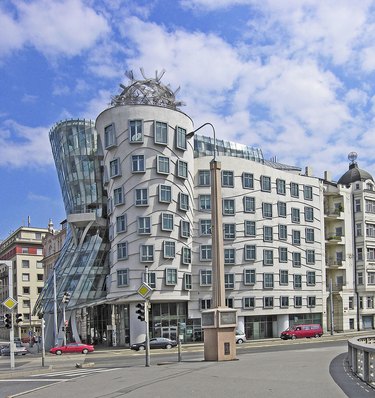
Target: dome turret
column 354, row 173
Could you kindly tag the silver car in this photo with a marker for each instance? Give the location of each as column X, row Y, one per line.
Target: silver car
column 19, row 349
column 240, row 337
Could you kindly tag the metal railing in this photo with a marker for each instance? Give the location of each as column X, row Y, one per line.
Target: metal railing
column 361, row 358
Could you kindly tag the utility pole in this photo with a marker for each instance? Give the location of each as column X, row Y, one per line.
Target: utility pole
column 11, row 334
column 55, row 307
column 331, row 304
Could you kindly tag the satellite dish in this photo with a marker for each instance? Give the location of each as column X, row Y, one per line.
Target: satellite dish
column 352, row 157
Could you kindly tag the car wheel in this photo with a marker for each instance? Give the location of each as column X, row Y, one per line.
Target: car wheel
column 58, row 352
column 239, row 341
column 141, row 348
column 317, row 335
column 85, row 351
column 168, row 346
column 294, row 337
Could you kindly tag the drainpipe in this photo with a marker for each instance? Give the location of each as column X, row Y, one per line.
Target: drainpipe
column 355, row 262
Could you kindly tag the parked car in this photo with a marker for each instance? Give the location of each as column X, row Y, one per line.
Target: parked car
column 71, row 348
column 301, row 331
column 157, row 342
column 19, row 349
column 240, row 337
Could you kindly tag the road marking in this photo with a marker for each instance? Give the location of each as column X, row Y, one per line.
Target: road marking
column 18, row 380
column 76, row 372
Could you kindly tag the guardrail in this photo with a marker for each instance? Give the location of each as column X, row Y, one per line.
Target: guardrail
column 361, row 357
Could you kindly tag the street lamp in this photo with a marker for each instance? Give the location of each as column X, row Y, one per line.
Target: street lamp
column 219, row 322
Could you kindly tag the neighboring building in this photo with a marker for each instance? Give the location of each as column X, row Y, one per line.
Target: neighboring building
column 349, row 207
column 25, row 251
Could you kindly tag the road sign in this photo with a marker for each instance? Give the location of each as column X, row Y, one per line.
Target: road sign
column 144, row 290
column 10, row 303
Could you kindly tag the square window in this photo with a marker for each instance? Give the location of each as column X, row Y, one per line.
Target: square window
column 184, row 229
column 141, row 197
column 138, row 163
column 186, row 255
column 247, row 181
column 109, row 136
column 165, row 194
column 205, row 252
column 122, row 251
column 205, row 227
column 284, row 277
column 227, row 179
column 122, row 277
column 162, row 164
column 250, row 252
column 311, row 301
column 267, row 210
column 267, row 302
column 294, row 190
column 228, row 207
column 161, row 133
column 204, row 202
column 180, row 138
column 229, row 256
column 267, row 234
column 121, row 223
column 229, row 280
column 146, row 253
column 114, row 168
column 249, row 277
column 26, row 290
column 25, row 264
column 283, row 232
column 249, row 204
column 149, row 278
column 144, row 225
column 187, row 282
column 205, row 304
column 135, row 131
column 204, row 178
column 267, row 281
column 265, row 183
column 250, row 228
column 205, row 277
column 283, row 254
column 171, row 276
column 248, row 303
column 183, row 201
column 280, row 186
column 229, row 231
column 267, row 257
column 166, row 222
column 182, row 169
column 118, row 196
column 39, row 277
column 169, row 249
column 26, row 277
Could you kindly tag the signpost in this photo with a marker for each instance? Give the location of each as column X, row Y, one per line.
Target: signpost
column 145, row 290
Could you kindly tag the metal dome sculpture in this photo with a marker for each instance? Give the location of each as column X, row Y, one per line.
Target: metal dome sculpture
column 149, row 91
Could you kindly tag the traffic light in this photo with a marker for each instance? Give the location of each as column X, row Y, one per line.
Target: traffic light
column 18, row 318
column 8, row 321
column 66, row 297
column 140, row 311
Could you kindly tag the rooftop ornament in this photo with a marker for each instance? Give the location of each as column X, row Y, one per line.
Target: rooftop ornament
column 149, row 91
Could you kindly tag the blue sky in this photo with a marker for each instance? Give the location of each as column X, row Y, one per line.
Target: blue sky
column 295, row 78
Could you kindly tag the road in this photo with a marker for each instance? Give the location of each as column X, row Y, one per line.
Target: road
column 275, row 369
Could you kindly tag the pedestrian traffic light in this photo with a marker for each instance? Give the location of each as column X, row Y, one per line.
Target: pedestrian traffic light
column 140, row 311
column 66, row 297
column 8, row 321
column 18, row 318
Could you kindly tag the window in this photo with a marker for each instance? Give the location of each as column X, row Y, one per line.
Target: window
column 284, row 277
column 370, row 253
column 187, row 282
column 358, row 229
column 109, row 136
column 205, row 277
column 114, row 168
column 144, row 225
column 248, row 303
column 184, row 229
column 280, row 186
column 150, row 279
column 265, row 184
column 249, row 204
column 166, row 222
column 169, row 249
column 370, row 206
column 361, row 303
column 205, row 227
column 283, row 254
column 310, row 278
column 370, row 302
column 298, row 301
column 186, row 255
column 307, row 192
column 228, row 207
column 370, row 230
column 250, row 252
column 162, row 164
column 141, row 197
column 309, row 214
column 136, row 130
column 311, row 301
column 138, row 163
column 26, row 304
column 281, row 209
column 122, row 251
column 294, row 190
column 250, row 229
column 118, row 196
column 247, row 181
column 229, row 281
column 357, row 205
column 205, row 304
column 39, row 264
column 161, row 133
column 267, row 302
column 25, row 250
column 371, row 278
column 39, row 277
column 171, row 276
column 227, row 179
column 147, row 253
column 229, row 256
column 180, row 138
column 205, row 252
column 229, row 302
column 295, row 215
column 26, row 277
column 249, row 277
column 310, row 235
column 182, row 169
column 296, row 237
column 204, row 178
column 296, row 259
column 268, row 281
column 25, row 264
column 310, row 256
column 183, row 200
column 284, row 301
column 267, row 234
column 122, row 277
column 26, row 290
column 283, row 232
column 267, row 257
column 121, row 223
column 204, row 202
column 359, row 253
column 351, row 302
column 229, row 231
column 297, row 281
column 360, row 278
column 165, row 194
column 267, row 210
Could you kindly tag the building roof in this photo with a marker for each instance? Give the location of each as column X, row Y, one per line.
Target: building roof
column 354, row 174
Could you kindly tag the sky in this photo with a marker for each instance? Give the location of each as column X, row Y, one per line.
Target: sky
column 292, row 77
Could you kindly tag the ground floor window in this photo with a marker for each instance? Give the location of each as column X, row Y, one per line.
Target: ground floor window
column 295, row 319
column 259, row 327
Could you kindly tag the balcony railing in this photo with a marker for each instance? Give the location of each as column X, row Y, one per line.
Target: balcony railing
column 361, row 358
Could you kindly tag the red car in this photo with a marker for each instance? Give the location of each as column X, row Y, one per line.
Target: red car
column 72, row 347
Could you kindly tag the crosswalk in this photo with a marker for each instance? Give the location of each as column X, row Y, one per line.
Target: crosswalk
column 69, row 374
